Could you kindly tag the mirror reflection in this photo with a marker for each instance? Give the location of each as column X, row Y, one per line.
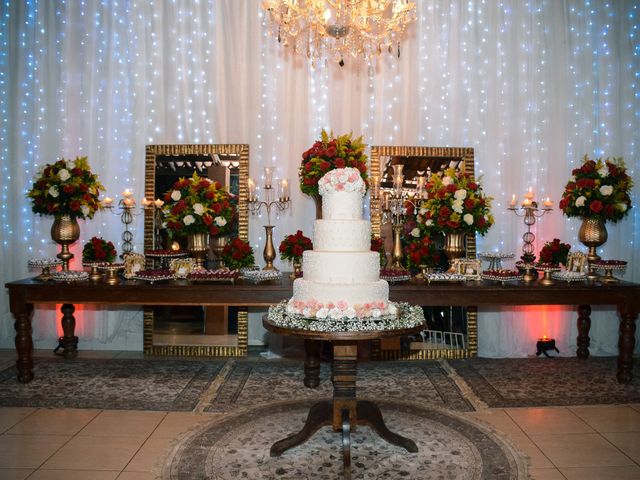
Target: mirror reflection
column 199, row 331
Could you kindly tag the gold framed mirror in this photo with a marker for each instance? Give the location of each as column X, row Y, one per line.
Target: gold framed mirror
column 195, row 331
column 452, row 331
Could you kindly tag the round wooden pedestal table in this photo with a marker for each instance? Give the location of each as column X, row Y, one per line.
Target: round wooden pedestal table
column 344, row 412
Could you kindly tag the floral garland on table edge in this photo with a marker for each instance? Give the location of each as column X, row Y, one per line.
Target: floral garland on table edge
column 66, row 187
column 293, row 246
column 98, row 250
column 330, row 153
column 198, row 205
column 340, row 309
column 555, row 252
column 455, row 204
column 237, row 254
column 599, row 189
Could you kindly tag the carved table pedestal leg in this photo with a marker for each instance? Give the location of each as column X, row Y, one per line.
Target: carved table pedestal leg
column 311, row 363
column 24, row 343
column 69, row 340
column 626, row 343
column 584, row 325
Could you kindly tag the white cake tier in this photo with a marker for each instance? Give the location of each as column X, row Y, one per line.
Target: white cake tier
column 342, row 206
column 341, row 267
column 342, row 235
column 352, row 294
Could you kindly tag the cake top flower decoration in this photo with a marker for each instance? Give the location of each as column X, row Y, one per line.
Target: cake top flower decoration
column 342, row 180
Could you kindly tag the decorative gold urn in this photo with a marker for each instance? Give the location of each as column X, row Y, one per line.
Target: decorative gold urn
column 65, row 231
column 297, row 268
column 269, row 253
column 453, row 247
column 592, row 234
column 217, row 246
column 198, row 246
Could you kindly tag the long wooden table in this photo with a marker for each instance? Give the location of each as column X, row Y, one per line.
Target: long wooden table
column 24, row 294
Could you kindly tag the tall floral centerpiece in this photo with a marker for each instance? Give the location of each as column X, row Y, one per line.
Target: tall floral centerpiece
column 292, row 247
column 67, row 191
column 329, row 153
column 455, row 206
column 598, row 192
column 198, row 208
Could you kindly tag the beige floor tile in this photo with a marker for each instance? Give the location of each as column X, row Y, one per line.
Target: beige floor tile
column 635, row 406
column 610, row 418
column 538, row 421
column 44, row 474
column 545, row 474
column 536, row 458
column 628, row 442
column 151, row 456
column 138, row 476
column 175, row 424
column 499, row 420
column 55, row 422
column 125, row 422
column 28, row 451
column 15, row 473
column 580, row 450
column 95, row 453
column 602, row 473
column 9, row 416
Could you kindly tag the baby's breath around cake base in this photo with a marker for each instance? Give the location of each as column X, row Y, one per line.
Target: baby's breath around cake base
column 407, row 316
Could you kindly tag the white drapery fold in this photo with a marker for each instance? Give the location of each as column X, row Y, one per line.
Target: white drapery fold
column 532, row 86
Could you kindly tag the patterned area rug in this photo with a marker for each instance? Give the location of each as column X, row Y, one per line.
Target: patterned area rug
column 166, row 385
column 253, row 382
column 540, row 382
column 449, row 447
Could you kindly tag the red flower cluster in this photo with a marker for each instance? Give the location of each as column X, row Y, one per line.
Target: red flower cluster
column 98, row 250
column 237, row 254
column 292, row 246
column 328, row 154
column 421, row 251
column 377, row 245
column 598, row 189
column 555, row 252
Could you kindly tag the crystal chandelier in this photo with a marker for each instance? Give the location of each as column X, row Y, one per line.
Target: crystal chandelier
column 335, row 29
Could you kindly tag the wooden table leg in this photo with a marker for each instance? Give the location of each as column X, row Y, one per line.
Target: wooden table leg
column 321, row 414
column 626, row 343
column 23, row 341
column 584, row 325
column 311, row 363
column 69, row 340
column 370, row 415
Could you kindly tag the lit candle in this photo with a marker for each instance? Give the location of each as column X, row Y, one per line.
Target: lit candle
column 128, row 202
column 268, row 176
column 107, row 201
column 252, row 189
column 513, row 201
column 526, row 202
column 529, row 194
column 547, row 203
column 158, row 203
column 386, row 200
column 145, row 202
column 285, row 188
column 420, row 182
column 127, row 193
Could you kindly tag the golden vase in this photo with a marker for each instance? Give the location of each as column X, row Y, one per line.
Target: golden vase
column 453, row 247
column 592, row 234
column 217, row 246
column 297, row 268
column 198, row 246
column 269, row 253
column 65, row 231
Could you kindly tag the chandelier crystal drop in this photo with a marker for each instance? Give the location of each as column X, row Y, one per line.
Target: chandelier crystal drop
column 335, row 29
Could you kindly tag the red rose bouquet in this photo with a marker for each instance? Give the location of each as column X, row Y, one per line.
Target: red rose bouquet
column 555, row 252
column 198, row 205
column 420, row 251
column 292, row 246
column 456, row 203
column 237, row 254
column 598, row 189
column 330, row 153
column 98, row 250
column 66, row 187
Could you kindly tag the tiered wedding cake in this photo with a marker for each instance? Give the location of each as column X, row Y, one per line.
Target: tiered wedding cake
column 341, row 274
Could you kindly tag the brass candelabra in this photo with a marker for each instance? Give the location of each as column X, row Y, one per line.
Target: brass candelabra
column 530, row 212
column 280, row 201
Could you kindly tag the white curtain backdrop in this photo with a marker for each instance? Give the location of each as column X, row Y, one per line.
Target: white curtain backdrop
column 531, row 86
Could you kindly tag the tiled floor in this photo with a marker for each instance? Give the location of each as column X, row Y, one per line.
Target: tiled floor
column 570, row 443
